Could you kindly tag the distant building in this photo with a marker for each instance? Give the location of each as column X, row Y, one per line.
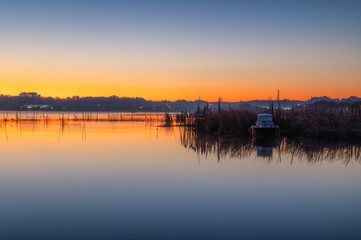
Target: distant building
column 29, row 95
column 37, row 106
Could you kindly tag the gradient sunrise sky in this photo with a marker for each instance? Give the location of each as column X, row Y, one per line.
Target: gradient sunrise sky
column 239, row 50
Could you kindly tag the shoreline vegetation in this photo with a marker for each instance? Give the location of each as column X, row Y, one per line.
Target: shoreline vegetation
column 225, row 133
column 223, row 146
column 320, row 124
column 329, row 124
column 64, row 118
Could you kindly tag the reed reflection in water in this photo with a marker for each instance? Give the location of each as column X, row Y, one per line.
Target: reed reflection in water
column 271, row 149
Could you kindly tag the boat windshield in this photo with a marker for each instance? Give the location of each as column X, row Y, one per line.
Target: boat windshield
column 265, row 118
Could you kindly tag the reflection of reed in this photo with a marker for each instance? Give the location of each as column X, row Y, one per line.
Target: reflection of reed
column 316, row 151
column 211, row 145
column 64, row 123
column 83, row 132
column 311, row 151
column 3, row 127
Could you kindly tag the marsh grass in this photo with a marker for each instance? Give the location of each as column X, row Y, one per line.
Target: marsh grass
column 315, row 123
column 65, row 118
column 321, row 124
column 168, row 120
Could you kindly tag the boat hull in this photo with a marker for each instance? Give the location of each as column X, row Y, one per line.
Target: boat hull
column 265, row 132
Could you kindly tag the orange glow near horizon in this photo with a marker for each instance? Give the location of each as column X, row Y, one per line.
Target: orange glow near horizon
column 159, row 93
column 236, row 88
column 239, row 76
column 246, row 74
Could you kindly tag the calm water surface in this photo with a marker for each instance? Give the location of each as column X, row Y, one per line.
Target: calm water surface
column 132, row 180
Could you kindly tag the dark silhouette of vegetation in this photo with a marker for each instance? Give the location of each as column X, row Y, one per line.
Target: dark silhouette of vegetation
column 316, row 123
column 225, row 122
column 320, row 123
column 97, row 104
column 32, row 101
column 168, row 120
column 67, row 117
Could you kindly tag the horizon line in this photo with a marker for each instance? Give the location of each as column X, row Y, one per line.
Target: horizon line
column 199, row 99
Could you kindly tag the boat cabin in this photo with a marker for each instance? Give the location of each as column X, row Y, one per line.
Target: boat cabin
column 264, row 120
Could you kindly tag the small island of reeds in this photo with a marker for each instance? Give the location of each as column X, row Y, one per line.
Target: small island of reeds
column 310, row 123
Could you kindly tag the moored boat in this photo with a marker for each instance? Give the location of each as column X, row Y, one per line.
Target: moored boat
column 264, row 127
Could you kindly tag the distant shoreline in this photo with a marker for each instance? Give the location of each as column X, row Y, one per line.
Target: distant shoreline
column 32, row 101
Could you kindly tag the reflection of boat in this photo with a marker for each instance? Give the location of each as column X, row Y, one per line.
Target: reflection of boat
column 264, row 142
column 264, row 127
column 264, row 146
column 264, row 151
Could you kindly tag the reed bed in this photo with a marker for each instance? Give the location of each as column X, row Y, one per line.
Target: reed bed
column 225, row 122
column 320, row 124
column 65, row 118
column 316, row 124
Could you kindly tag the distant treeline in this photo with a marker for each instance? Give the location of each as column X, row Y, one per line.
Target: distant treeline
column 95, row 104
column 33, row 101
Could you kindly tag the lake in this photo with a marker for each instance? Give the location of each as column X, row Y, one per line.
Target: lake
column 136, row 180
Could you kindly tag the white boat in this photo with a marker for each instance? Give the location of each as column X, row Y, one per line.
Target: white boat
column 264, row 126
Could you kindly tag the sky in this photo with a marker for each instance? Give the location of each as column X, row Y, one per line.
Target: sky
column 237, row 50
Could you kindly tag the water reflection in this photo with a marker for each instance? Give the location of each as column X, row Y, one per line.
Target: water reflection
column 270, row 150
column 211, row 145
column 273, row 149
column 265, row 146
column 134, row 180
